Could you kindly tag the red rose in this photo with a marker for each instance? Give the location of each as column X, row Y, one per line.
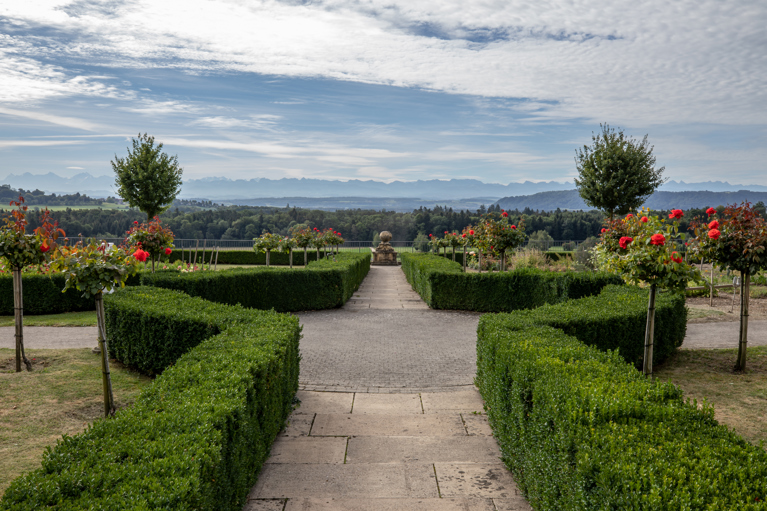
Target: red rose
column 629, row 215
column 430, row 235
column 135, row 222
column 604, row 230
column 513, row 226
column 445, row 232
column 676, row 257
column 710, row 211
column 713, row 225
column 676, row 214
column 644, row 219
column 168, row 251
column 338, row 233
column 714, row 234
column 624, row 241
column 44, row 248
column 471, row 232
column 504, row 214
column 658, row 239
column 140, row 255
column 463, row 235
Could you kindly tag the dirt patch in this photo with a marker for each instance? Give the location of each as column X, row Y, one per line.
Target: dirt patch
column 8, row 365
column 724, row 309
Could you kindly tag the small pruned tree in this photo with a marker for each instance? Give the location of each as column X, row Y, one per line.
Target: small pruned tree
column 736, row 240
column 152, row 238
column 147, row 179
column 617, row 173
column 19, row 250
column 93, row 269
column 642, row 250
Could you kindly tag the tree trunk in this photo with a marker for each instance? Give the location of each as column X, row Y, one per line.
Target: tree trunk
column 464, row 258
column 453, row 254
column 479, row 259
column 267, row 257
column 202, row 260
column 152, row 264
column 290, row 255
column 306, row 256
column 745, row 286
column 109, row 399
column 216, row 266
column 649, row 334
column 18, row 312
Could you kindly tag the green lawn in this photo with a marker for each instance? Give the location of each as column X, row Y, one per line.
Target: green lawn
column 87, row 318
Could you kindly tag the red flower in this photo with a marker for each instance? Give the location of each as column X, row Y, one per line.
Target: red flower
column 604, row 230
column 624, row 242
column 338, row 233
column 710, row 211
column 513, row 226
column 714, row 234
column 463, row 235
column 430, row 235
column 676, row 257
column 445, row 232
column 168, row 251
column 471, row 232
column 44, row 248
column 135, row 222
column 676, row 214
column 629, row 215
column 504, row 214
column 644, row 219
column 658, row 239
column 140, row 255
column 713, row 225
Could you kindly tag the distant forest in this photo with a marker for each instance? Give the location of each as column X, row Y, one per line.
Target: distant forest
column 205, row 220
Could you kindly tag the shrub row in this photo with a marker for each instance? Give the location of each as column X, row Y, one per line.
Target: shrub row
column 443, row 285
column 323, row 284
column 582, row 429
column 42, row 295
column 245, row 257
column 197, row 437
column 551, row 255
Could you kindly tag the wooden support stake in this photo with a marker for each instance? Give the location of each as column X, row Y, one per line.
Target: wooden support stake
column 649, row 334
column 109, row 399
column 18, row 313
column 217, row 249
column 745, row 290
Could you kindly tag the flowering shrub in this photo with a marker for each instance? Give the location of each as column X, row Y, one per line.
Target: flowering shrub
column 737, row 241
column 266, row 243
column 152, row 239
column 494, row 235
column 20, row 249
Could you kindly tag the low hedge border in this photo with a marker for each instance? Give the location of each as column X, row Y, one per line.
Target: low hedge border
column 247, row 257
column 43, row 295
column 443, row 285
column 323, row 284
column 197, row 437
column 582, row 429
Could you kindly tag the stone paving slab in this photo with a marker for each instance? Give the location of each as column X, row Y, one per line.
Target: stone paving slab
column 323, row 402
column 387, row 403
column 456, row 504
column 404, row 449
column 50, row 337
column 723, row 335
column 476, row 424
column 485, row 480
column 387, row 425
column 308, row 450
column 467, row 400
column 338, row 481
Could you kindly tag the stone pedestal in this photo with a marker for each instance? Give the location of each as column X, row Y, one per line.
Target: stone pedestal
column 384, row 254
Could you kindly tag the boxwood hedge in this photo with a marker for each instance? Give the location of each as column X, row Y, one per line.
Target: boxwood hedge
column 443, row 285
column 582, row 429
column 323, row 284
column 245, row 257
column 197, row 437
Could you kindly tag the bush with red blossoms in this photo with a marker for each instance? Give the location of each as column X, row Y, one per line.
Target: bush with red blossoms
column 152, row 238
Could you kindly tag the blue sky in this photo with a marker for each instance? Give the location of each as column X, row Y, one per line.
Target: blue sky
column 496, row 90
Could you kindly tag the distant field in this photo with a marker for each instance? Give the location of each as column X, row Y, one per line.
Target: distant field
column 62, row 208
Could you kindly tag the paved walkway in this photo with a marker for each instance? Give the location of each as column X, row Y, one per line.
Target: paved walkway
column 723, row 334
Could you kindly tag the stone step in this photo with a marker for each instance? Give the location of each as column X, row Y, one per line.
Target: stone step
column 388, row 504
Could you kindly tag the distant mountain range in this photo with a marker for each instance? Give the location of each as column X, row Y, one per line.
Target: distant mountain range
column 228, row 190
column 570, row 199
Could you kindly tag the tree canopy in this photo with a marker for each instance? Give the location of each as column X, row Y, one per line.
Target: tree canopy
column 617, row 173
column 147, row 179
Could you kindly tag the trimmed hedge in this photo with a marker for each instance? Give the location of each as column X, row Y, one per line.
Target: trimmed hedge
column 246, row 257
column 582, row 429
column 323, row 284
column 443, row 285
column 198, row 436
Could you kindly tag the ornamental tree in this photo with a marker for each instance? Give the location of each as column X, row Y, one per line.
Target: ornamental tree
column 152, row 238
column 501, row 236
column 93, row 269
column 266, row 243
column 19, row 250
column 642, row 250
column 617, row 173
column 453, row 240
column 735, row 240
column 147, row 179
column 303, row 238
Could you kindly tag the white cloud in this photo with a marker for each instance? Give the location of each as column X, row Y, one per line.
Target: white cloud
column 639, row 62
column 70, row 122
column 37, row 143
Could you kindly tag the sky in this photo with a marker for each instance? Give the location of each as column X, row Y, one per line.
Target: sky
column 497, row 90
